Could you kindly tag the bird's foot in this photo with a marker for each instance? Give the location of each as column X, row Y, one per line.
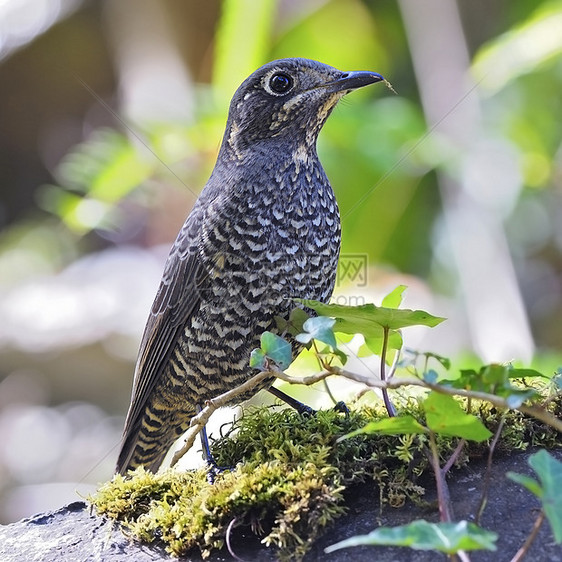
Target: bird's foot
column 342, row 408
column 213, row 470
column 303, row 409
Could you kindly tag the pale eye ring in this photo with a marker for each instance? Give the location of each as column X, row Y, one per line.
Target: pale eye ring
column 280, row 83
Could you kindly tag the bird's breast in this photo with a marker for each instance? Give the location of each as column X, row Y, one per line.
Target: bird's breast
column 274, row 235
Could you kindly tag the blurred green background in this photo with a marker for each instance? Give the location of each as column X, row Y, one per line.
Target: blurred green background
column 112, row 113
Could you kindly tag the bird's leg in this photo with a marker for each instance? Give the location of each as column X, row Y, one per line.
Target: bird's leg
column 210, row 461
column 303, row 408
column 294, row 403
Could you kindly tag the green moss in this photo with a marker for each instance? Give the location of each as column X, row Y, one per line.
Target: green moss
column 288, row 479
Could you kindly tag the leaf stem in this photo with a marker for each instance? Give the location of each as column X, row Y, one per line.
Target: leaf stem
column 387, row 402
column 488, row 475
column 443, row 496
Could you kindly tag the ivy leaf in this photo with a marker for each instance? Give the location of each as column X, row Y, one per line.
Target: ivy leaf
column 294, row 325
column 273, row 348
column 445, row 416
column 369, row 316
column 422, row 535
column 394, row 298
column 431, row 376
column 373, row 345
column 389, row 426
column 523, row 373
column 319, row 328
column 258, row 360
column 496, row 379
column 549, row 491
column 445, row 361
column 371, row 321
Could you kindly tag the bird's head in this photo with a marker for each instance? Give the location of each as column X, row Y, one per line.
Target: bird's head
column 287, row 101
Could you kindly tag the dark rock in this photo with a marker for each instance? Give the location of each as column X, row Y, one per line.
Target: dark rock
column 72, row 533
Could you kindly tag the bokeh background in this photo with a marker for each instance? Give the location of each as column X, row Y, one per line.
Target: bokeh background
column 112, row 113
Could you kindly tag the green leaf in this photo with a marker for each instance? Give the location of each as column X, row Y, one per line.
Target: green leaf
column 394, row 298
column 422, row 535
column 274, row 348
column 496, row 379
column 369, row 316
column 549, row 491
column 389, row 426
column 371, row 321
column 514, row 373
column 294, row 325
column 445, row 361
column 258, row 359
column 318, row 328
column 530, row 483
column 445, row 416
column 374, row 344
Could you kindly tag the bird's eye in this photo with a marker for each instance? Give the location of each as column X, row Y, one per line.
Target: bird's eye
column 280, row 83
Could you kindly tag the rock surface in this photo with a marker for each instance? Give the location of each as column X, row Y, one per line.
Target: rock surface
column 73, row 534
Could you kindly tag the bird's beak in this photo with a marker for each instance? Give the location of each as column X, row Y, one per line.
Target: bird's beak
column 353, row 80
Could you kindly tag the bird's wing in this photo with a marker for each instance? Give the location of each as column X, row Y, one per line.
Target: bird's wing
column 178, row 296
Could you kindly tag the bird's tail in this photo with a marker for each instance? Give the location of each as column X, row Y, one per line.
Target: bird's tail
column 148, row 445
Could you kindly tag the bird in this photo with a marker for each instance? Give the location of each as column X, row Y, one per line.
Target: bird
column 264, row 230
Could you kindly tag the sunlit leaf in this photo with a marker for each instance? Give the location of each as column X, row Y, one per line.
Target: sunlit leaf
column 422, row 535
column 394, row 298
column 390, row 426
column 496, row 379
column 272, row 348
column 445, row 416
column 371, row 321
column 258, row 359
column 318, row 328
column 373, row 344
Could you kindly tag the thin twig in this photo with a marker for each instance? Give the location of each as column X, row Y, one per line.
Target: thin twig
column 525, row 548
column 200, row 420
column 542, row 415
column 454, row 456
column 488, row 475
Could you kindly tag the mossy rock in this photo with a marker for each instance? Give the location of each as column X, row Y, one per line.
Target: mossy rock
column 289, row 479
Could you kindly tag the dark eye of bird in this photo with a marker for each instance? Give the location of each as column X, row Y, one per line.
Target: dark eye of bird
column 280, row 83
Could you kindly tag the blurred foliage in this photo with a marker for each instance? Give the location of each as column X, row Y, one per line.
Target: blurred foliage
column 375, row 148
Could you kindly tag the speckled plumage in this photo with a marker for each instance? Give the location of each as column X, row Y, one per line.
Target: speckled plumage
column 265, row 229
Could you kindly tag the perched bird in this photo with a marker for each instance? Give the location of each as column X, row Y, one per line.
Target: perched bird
column 265, row 229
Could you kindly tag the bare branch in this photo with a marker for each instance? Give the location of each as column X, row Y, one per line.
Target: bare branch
column 534, row 411
column 199, row 421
